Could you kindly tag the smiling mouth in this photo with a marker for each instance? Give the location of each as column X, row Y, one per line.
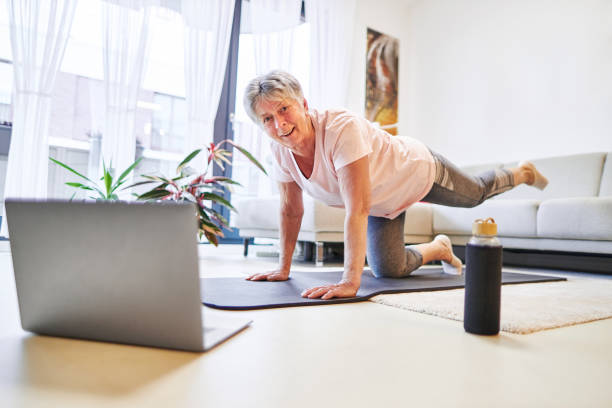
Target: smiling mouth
column 287, row 134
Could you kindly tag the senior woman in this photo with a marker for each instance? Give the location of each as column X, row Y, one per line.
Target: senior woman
column 345, row 161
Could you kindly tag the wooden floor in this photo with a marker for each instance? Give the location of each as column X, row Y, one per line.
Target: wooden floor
column 352, row 355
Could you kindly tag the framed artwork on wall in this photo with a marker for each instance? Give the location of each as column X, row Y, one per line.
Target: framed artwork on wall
column 382, row 80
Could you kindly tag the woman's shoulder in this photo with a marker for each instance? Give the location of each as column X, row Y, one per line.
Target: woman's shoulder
column 334, row 121
column 334, row 116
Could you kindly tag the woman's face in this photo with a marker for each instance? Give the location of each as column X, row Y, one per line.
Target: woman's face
column 286, row 122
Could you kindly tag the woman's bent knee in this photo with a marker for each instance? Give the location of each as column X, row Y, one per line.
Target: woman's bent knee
column 389, row 271
column 395, row 267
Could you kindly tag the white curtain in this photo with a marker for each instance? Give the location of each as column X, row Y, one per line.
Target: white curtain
column 274, row 51
column 39, row 31
column 272, row 24
column 125, row 26
column 208, row 28
column 332, row 24
column 267, row 16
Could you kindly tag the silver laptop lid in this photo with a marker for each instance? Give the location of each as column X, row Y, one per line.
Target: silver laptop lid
column 111, row 271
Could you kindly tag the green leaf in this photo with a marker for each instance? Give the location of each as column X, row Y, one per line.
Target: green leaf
column 158, row 178
column 248, row 156
column 187, row 159
column 85, row 187
column 210, row 227
column 203, row 215
column 102, row 196
column 125, row 173
column 153, row 194
column 108, row 180
column 117, row 185
column 69, row 168
column 140, row 183
column 218, row 199
column 79, row 185
column 180, row 176
column 218, row 216
column 153, row 178
column 226, row 180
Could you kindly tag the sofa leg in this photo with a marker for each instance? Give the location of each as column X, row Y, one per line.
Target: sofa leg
column 319, row 252
column 246, row 246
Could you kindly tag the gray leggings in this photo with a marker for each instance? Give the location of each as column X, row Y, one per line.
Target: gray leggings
column 387, row 255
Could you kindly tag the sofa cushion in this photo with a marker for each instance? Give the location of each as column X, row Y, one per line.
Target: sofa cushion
column 262, row 213
column 256, row 213
column 514, row 218
column 576, row 218
column 419, row 219
column 320, row 217
column 606, row 178
column 569, row 176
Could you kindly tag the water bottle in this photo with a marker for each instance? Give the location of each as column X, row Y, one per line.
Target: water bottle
column 483, row 266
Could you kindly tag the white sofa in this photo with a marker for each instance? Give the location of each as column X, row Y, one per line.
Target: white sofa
column 572, row 215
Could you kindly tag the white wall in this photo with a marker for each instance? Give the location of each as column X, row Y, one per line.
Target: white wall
column 499, row 80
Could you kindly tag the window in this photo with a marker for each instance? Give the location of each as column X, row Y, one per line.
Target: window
column 78, row 111
column 6, row 88
column 245, row 132
column 169, row 123
column 77, row 116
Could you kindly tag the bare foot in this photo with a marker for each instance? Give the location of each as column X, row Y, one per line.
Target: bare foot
column 534, row 177
column 450, row 263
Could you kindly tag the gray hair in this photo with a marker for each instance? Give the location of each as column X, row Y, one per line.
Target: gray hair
column 275, row 86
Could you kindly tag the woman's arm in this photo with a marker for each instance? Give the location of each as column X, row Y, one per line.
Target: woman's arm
column 291, row 213
column 354, row 180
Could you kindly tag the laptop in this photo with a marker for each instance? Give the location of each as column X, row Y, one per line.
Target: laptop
column 123, row 272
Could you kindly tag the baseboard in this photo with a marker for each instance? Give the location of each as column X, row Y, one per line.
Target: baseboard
column 571, row 261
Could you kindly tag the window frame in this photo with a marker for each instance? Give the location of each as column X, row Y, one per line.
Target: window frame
column 223, row 127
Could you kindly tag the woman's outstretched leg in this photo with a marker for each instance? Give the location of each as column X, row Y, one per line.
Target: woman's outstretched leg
column 453, row 187
column 390, row 258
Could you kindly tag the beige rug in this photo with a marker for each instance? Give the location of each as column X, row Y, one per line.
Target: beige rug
column 525, row 308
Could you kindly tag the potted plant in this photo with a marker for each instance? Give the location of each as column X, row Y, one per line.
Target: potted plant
column 187, row 185
column 199, row 188
column 108, row 191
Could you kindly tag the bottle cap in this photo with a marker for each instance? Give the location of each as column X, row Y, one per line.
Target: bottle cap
column 484, row 227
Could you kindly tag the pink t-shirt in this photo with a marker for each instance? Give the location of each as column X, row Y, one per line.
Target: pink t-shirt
column 402, row 169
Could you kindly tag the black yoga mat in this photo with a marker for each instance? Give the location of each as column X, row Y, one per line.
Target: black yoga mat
column 241, row 294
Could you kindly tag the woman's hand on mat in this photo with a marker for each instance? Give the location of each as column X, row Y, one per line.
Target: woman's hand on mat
column 270, row 276
column 341, row 289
